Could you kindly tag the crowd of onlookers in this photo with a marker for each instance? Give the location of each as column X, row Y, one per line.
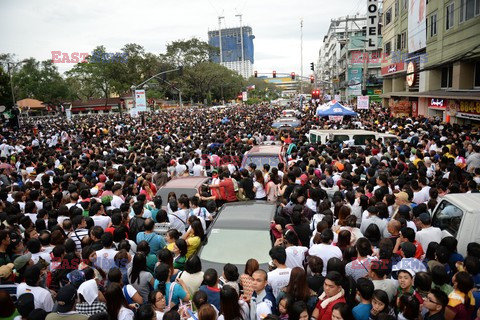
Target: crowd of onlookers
column 84, row 234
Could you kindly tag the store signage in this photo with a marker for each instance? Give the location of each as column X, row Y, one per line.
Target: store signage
column 372, row 25
column 469, row 106
column 393, row 68
column 410, row 73
column 437, row 103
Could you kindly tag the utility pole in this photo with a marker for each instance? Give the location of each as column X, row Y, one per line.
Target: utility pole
column 220, row 37
column 241, row 43
column 365, row 69
column 301, row 55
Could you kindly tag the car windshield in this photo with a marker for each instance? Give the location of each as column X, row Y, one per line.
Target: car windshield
column 163, row 192
column 237, row 246
column 448, row 217
column 261, row 160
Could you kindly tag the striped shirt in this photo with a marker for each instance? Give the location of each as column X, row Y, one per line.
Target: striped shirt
column 77, row 236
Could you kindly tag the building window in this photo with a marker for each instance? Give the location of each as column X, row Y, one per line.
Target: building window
column 388, row 48
column 468, row 9
column 398, row 44
column 388, row 16
column 477, row 7
column 404, row 4
column 477, row 75
column 396, row 7
column 447, row 74
column 449, row 16
column 404, row 40
column 433, row 25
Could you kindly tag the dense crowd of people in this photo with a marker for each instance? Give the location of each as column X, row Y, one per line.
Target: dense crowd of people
column 84, row 234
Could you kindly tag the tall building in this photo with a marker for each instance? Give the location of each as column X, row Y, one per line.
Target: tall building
column 231, row 49
column 341, row 60
column 434, row 64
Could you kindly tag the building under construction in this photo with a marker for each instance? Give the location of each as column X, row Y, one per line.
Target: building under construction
column 236, row 49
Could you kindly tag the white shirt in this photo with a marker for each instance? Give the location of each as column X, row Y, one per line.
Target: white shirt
column 41, row 297
column 260, row 193
column 116, row 201
column 101, row 221
column 325, row 252
column 45, row 256
column 278, row 279
column 198, row 170
column 427, row 235
column 125, row 314
column 105, row 258
column 295, row 256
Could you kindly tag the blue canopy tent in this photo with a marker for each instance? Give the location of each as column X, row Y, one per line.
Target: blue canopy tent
column 336, row 110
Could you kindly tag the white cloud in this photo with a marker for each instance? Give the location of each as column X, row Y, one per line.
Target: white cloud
column 32, row 28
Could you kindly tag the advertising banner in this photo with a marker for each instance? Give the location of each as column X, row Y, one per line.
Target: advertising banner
column 244, row 96
column 362, row 102
column 417, row 35
column 354, row 82
column 140, row 101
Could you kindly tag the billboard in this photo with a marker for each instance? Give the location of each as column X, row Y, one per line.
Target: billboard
column 362, row 102
column 417, row 35
column 354, row 81
column 140, row 101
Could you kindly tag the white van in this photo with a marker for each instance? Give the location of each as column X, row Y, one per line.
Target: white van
column 458, row 215
column 353, row 137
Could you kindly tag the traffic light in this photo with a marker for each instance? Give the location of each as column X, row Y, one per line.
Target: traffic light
column 274, row 74
column 312, row 79
column 292, row 75
column 255, row 74
column 315, row 94
column 312, row 66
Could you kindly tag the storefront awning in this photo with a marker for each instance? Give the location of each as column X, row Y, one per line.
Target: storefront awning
column 469, row 95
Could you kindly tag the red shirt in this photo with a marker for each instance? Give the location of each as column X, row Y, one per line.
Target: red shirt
column 229, row 190
column 326, row 313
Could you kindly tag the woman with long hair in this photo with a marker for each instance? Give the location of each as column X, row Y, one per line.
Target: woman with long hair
column 344, row 239
column 460, row 301
column 298, row 311
column 341, row 311
column 194, row 237
column 139, row 277
column 231, row 308
column 298, row 288
column 271, row 188
column 147, row 191
column 174, row 295
column 207, row 312
column 380, row 305
column 259, row 186
column 409, row 308
column 180, row 251
column 158, row 301
column 246, row 280
column 117, row 306
column 193, row 274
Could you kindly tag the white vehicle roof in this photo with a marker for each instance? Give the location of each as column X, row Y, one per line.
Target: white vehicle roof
column 470, row 201
column 350, row 131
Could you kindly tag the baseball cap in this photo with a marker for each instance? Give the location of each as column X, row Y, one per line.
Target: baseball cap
column 6, row 270
column 410, row 271
column 25, row 304
column 66, row 298
column 425, row 218
column 402, row 196
column 21, row 261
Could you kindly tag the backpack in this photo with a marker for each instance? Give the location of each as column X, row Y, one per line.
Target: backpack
column 136, row 225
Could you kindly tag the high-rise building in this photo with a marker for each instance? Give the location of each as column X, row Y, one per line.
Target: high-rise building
column 231, row 52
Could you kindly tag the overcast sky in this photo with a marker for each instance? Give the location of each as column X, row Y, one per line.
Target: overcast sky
column 34, row 28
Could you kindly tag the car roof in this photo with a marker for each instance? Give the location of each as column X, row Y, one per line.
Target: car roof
column 185, row 182
column 469, row 201
column 266, row 150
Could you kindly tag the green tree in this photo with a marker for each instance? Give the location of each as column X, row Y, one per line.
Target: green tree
column 40, row 80
column 188, row 53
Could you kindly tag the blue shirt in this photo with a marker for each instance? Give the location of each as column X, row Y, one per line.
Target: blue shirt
column 362, row 311
column 155, row 241
column 178, row 292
